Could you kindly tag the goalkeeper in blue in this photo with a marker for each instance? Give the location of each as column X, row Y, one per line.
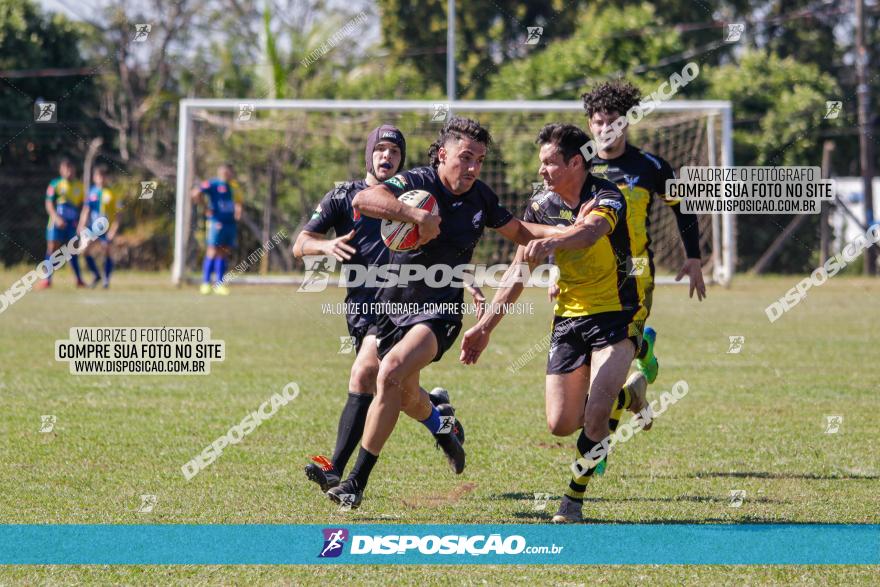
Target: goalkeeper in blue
column 221, row 197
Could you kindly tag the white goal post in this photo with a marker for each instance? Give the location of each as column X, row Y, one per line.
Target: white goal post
column 711, row 118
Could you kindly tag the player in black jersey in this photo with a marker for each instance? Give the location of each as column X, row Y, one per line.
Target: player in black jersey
column 642, row 177
column 358, row 242
column 409, row 341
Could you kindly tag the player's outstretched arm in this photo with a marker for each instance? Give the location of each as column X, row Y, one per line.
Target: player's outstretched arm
column 523, row 232
column 379, row 202
column 693, row 268
column 476, row 339
column 578, row 236
column 196, row 195
column 83, row 219
column 313, row 243
column 689, row 231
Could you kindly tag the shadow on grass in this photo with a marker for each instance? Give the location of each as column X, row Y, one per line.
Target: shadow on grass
column 693, row 498
column 544, row 518
column 758, row 475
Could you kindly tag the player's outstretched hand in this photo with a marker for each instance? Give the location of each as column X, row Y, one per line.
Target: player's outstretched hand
column 552, row 291
column 59, row 222
column 339, row 247
column 539, row 249
column 429, row 229
column 693, row 268
column 479, row 300
column 474, row 342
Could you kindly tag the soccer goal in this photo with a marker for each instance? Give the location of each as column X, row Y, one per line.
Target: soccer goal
column 289, row 153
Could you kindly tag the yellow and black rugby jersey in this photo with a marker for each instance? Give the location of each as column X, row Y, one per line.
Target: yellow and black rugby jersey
column 642, row 177
column 595, row 279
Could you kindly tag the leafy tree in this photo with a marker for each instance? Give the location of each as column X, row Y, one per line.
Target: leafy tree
column 606, row 44
column 31, row 44
column 488, row 32
column 779, row 105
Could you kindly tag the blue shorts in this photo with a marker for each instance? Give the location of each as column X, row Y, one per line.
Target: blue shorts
column 103, row 238
column 62, row 235
column 221, row 234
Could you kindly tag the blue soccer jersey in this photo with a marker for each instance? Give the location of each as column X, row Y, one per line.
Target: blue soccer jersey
column 221, row 199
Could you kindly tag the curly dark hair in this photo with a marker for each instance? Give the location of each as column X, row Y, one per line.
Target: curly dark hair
column 617, row 96
column 458, row 128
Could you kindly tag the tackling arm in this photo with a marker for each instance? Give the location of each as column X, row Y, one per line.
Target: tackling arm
column 476, row 339
column 578, row 236
column 524, row 232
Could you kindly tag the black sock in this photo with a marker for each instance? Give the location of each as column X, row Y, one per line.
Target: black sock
column 362, row 468
column 643, row 350
column 351, row 428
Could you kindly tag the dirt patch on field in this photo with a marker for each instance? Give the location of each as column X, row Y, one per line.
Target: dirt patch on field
column 557, row 444
column 450, row 498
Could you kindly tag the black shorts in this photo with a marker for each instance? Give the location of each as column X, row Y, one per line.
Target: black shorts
column 359, row 333
column 573, row 340
column 389, row 334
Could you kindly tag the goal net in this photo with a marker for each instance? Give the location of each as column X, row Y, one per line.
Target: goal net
column 288, row 153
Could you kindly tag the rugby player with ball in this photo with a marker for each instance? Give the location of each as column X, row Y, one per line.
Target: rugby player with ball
column 410, row 341
column 358, row 241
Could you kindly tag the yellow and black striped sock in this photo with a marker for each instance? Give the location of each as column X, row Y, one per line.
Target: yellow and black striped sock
column 624, row 401
column 578, row 484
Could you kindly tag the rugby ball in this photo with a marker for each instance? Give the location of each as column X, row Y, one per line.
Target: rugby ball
column 403, row 236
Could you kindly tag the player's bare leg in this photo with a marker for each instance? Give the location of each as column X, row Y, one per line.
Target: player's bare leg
column 412, row 354
column 397, row 371
column 564, row 397
column 51, row 247
column 327, row 472
column 609, row 367
column 398, row 390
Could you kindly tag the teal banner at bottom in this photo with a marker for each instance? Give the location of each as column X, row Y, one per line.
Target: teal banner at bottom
column 607, row 544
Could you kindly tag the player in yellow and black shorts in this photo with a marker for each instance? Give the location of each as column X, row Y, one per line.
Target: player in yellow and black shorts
column 595, row 329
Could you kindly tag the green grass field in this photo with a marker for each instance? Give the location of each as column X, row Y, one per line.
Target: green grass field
column 752, row 421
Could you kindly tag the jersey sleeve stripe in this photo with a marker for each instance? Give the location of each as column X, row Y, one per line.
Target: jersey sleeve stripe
column 609, row 215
